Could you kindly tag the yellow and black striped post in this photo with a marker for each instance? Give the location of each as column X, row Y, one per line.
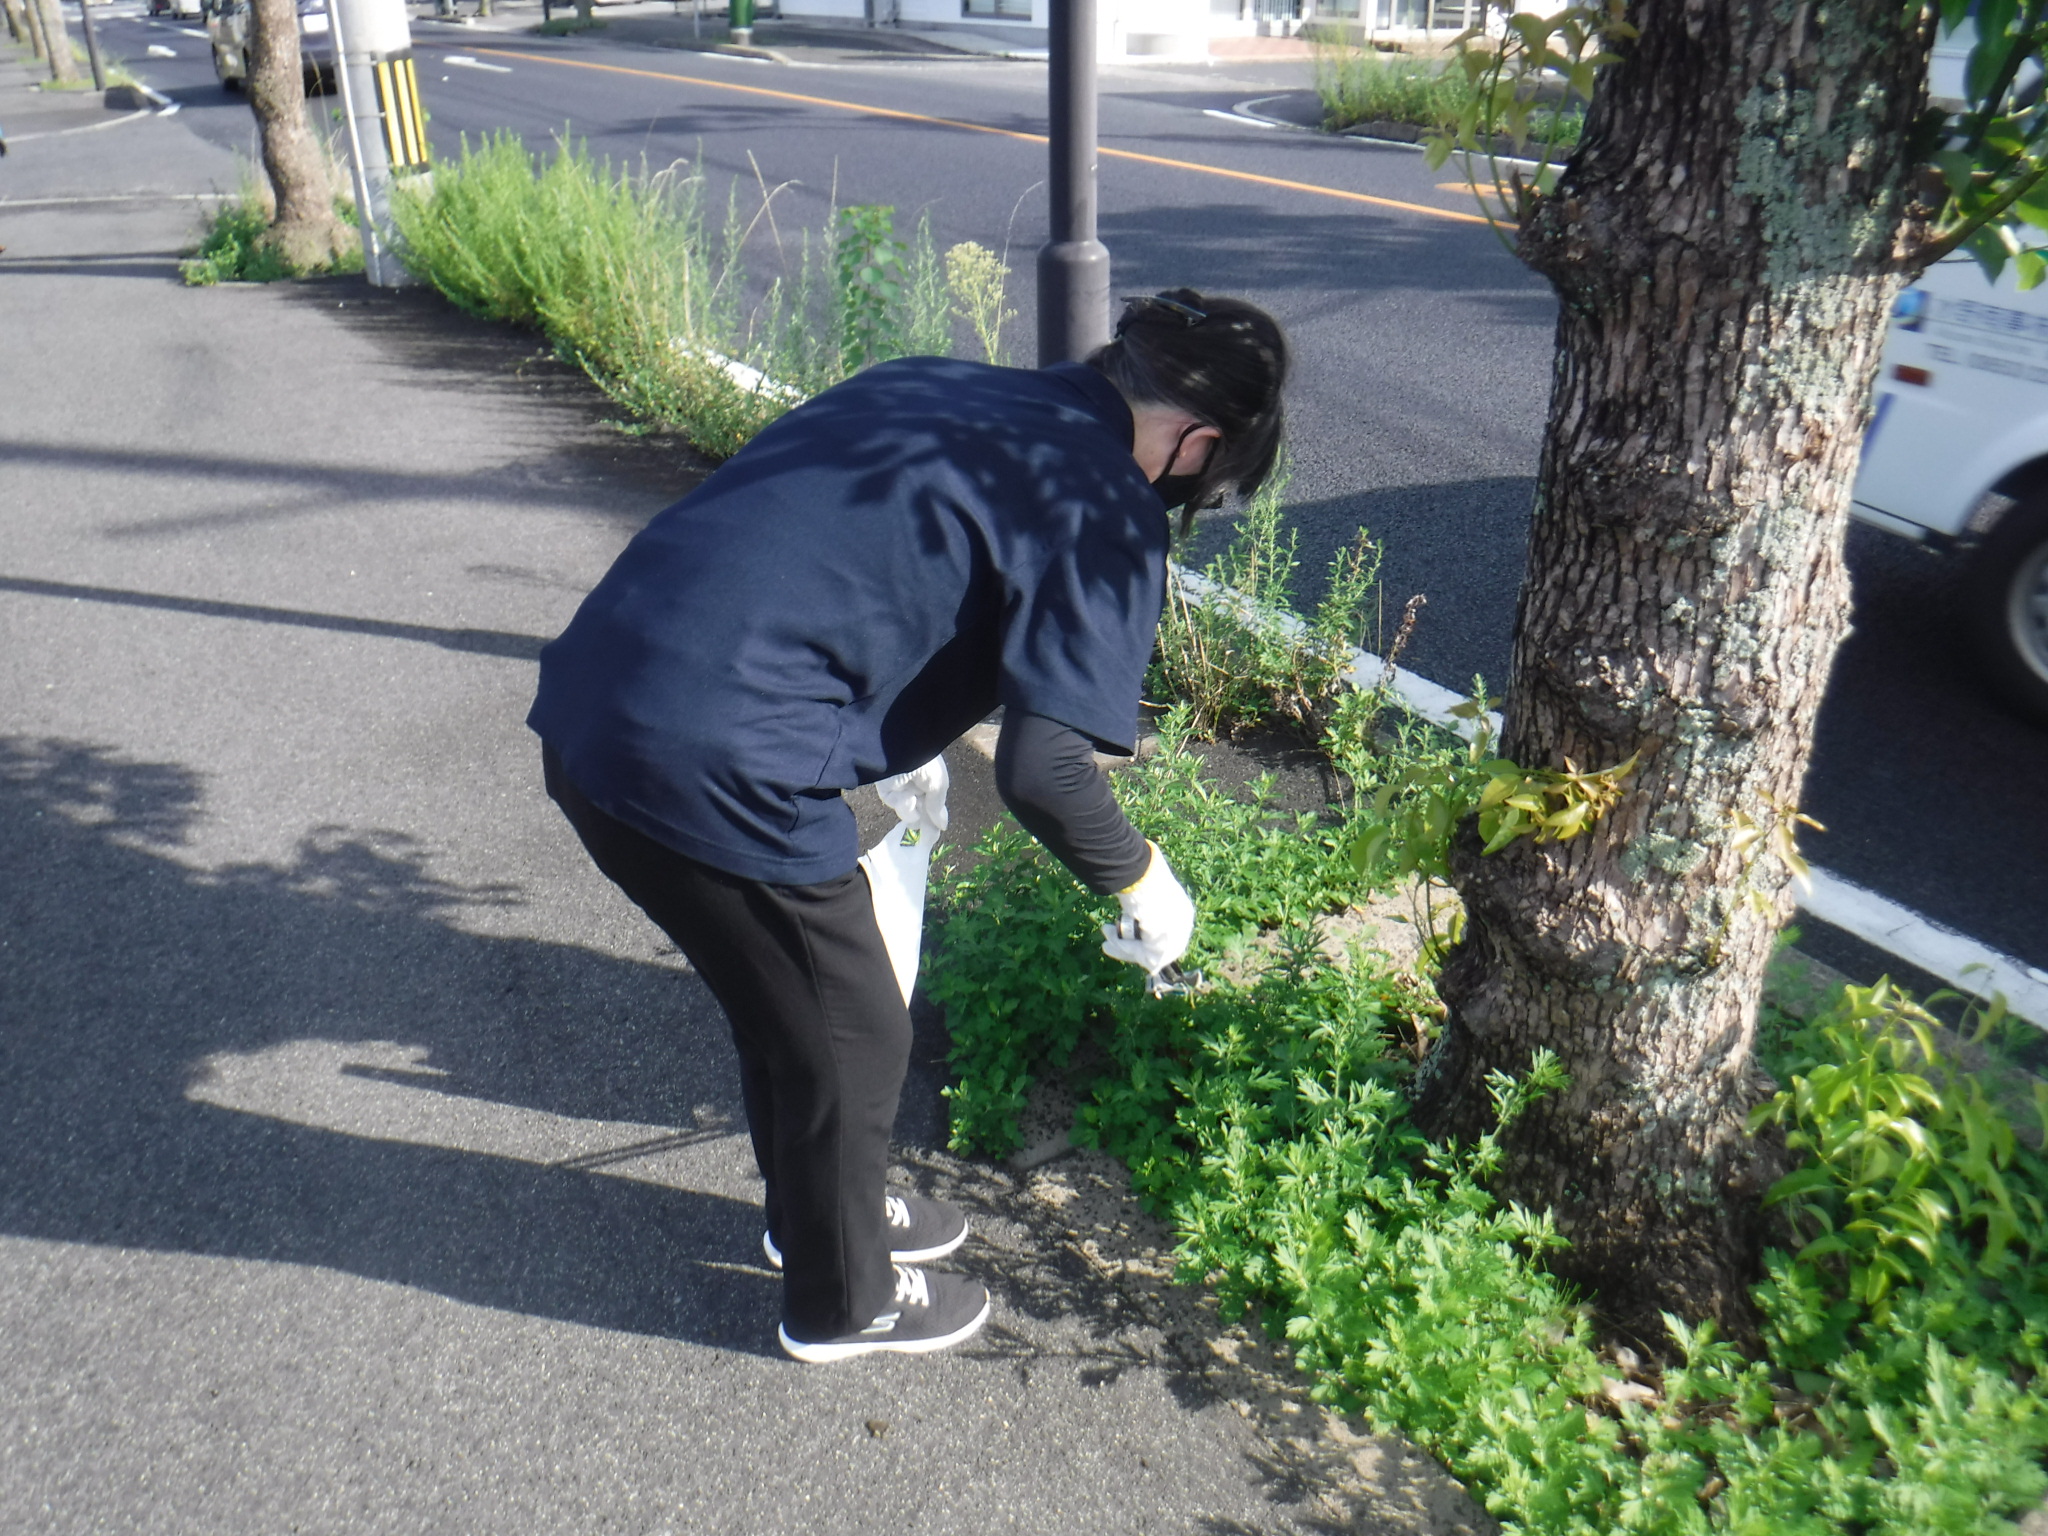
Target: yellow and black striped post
column 387, row 129
column 398, row 104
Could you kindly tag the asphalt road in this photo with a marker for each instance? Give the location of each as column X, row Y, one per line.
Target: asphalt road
column 1424, row 353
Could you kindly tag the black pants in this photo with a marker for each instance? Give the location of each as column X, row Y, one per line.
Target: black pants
column 823, row 1040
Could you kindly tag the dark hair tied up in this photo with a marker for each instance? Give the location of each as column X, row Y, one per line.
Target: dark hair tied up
column 1221, row 360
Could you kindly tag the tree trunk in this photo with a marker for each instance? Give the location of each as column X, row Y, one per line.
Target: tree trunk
column 56, row 41
column 1725, row 246
column 17, row 23
column 34, row 24
column 304, row 228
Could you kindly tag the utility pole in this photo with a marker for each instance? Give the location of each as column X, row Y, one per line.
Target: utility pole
column 381, row 109
column 92, row 46
column 1073, row 267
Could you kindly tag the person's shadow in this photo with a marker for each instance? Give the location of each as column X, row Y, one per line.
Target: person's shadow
column 314, row 1064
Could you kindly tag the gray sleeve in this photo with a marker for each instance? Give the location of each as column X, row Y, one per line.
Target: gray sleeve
column 1046, row 774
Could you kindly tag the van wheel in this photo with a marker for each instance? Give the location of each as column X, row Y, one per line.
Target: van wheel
column 2008, row 606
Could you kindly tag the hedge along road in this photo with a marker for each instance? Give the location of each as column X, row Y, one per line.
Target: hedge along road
column 1424, row 353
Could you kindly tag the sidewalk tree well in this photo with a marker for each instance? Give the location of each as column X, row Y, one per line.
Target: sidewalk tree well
column 304, row 228
column 1756, row 181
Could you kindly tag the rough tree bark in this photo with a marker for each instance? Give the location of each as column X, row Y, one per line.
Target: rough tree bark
column 56, row 40
column 17, row 24
column 1725, row 246
column 304, row 229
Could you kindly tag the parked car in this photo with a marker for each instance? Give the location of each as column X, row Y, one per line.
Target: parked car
column 181, row 9
column 227, row 30
column 1957, row 456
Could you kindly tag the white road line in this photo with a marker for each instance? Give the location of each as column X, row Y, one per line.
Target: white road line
column 119, row 197
column 1964, row 963
column 1958, row 960
column 466, row 62
column 1238, row 117
column 58, row 133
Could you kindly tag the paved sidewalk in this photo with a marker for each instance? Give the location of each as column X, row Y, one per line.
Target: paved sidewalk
column 370, row 1164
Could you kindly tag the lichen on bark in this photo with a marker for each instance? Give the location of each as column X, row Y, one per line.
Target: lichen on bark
column 1722, row 244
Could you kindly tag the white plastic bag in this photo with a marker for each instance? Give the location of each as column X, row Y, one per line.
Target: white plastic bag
column 896, row 873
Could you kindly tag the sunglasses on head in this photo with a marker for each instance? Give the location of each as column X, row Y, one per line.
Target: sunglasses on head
column 1187, row 314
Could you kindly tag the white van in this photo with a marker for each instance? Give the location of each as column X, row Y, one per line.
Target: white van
column 1957, row 456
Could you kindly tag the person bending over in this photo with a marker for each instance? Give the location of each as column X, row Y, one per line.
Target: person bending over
column 869, row 577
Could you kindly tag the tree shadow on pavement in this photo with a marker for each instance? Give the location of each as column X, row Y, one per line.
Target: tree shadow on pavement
column 158, row 1090
column 425, row 337
column 312, row 1063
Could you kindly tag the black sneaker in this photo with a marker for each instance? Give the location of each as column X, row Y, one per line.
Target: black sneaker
column 930, row 1312
column 919, row 1230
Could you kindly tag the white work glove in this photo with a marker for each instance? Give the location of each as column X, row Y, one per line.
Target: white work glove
column 919, row 796
column 1158, row 920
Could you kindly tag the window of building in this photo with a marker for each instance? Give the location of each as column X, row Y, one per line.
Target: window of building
column 1002, row 10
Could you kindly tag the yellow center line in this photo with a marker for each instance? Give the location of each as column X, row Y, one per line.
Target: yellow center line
column 1006, row 133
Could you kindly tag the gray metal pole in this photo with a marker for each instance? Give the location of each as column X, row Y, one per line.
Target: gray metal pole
column 1073, row 268
column 92, row 46
column 369, row 159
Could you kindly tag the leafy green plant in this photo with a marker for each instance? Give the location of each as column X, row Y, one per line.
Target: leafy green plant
column 928, row 301
column 640, row 280
column 1231, row 646
column 1018, row 964
column 871, row 272
column 1905, row 1150
column 1904, row 1386
column 625, row 274
column 1513, row 79
column 1417, row 810
column 976, row 280
column 1363, row 85
column 232, row 248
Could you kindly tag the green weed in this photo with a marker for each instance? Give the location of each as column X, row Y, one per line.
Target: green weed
column 232, row 249
column 1904, row 1386
column 976, row 280
column 1236, row 653
column 1363, row 85
column 1266, row 1118
column 641, row 280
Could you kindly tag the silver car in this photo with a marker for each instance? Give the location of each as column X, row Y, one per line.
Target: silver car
column 228, row 30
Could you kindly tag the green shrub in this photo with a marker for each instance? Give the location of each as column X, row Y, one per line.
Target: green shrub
column 631, row 278
column 1266, row 1117
column 1020, row 979
column 622, row 273
column 232, row 248
column 1363, row 85
column 1236, row 653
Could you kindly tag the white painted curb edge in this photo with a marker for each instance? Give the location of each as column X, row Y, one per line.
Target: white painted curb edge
column 1961, row 961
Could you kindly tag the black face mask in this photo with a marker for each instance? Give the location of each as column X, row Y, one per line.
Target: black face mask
column 1174, row 490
